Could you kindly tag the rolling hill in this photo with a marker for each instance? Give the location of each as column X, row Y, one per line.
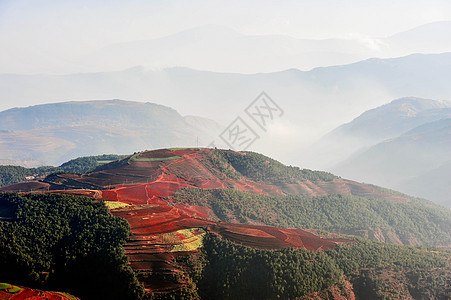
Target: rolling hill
column 164, row 174
column 54, row 133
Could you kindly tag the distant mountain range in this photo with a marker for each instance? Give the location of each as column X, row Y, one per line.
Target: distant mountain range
column 376, row 125
column 393, row 163
column 222, row 49
column 54, row 133
column 402, row 145
column 314, row 102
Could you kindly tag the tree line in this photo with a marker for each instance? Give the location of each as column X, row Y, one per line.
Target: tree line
column 66, row 243
column 15, row 174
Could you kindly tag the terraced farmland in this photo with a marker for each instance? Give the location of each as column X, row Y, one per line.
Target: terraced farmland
column 166, row 232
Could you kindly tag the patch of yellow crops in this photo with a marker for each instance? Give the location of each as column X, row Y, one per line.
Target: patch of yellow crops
column 194, row 244
column 183, row 239
column 66, row 295
column 115, row 204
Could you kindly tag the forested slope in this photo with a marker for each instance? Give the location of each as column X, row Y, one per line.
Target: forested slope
column 65, row 243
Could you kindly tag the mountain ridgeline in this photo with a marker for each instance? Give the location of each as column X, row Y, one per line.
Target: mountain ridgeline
column 262, row 168
column 314, row 102
column 403, row 145
column 376, row 125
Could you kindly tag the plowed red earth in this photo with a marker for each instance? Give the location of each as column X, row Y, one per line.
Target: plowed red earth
column 150, row 251
column 25, row 187
column 161, row 230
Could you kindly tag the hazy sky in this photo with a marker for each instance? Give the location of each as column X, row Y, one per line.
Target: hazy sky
column 34, row 32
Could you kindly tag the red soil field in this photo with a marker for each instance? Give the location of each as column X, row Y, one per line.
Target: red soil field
column 150, row 249
column 268, row 237
column 161, row 177
column 26, row 187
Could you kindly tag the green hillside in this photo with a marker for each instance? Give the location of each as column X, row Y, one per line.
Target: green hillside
column 259, row 167
column 415, row 222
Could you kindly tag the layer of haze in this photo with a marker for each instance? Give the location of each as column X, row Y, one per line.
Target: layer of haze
column 54, row 37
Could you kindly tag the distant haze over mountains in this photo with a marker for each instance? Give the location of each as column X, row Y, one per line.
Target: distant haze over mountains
column 159, row 110
column 219, row 48
column 314, row 102
column 404, row 145
column 421, row 154
column 374, row 126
